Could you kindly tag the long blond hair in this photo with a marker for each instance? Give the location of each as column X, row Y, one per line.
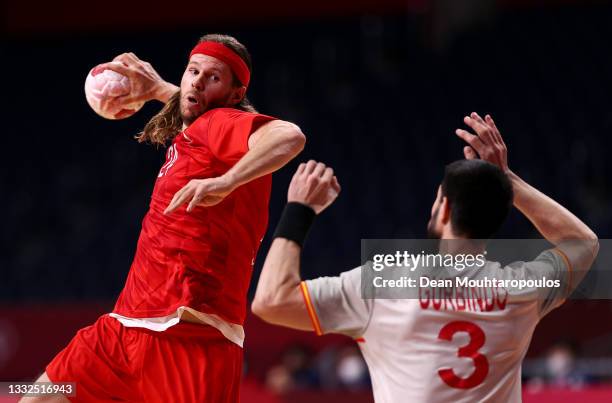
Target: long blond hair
column 167, row 123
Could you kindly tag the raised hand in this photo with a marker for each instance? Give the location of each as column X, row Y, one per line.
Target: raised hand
column 487, row 144
column 146, row 84
column 314, row 185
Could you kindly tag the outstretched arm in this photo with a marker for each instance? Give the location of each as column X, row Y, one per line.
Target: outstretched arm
column 278, row 298
column 270, row 147
column 554, row 222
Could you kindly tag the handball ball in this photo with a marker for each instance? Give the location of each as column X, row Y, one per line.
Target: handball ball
column 104, row 91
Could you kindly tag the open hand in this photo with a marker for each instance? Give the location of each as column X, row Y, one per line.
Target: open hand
column 487, row 144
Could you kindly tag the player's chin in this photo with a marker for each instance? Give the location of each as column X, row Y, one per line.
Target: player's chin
column 188, row 115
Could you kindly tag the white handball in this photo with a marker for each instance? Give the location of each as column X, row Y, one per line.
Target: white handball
column 104, row 91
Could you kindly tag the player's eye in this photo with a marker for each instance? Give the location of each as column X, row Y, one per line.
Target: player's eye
column 214, row 78
column 194, row 72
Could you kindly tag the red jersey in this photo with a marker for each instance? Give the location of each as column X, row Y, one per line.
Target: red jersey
column 203, row 259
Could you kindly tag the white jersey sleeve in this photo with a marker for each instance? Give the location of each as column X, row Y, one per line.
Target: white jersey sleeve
column 552, row 265
column 335, row 304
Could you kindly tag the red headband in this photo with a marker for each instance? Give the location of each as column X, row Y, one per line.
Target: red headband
column 226, row 55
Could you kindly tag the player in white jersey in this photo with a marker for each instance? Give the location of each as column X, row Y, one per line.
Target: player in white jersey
column 450, row 349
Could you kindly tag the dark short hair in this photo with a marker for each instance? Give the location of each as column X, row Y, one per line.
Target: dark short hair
column 480, row 197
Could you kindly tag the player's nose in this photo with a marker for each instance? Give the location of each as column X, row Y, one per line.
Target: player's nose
column 198, row 82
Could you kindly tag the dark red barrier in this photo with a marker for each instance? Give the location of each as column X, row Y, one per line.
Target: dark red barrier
column 590, row 395
column 31, row 335
column 81, row 16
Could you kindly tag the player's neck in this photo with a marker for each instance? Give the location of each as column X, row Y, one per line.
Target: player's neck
column 458, row 245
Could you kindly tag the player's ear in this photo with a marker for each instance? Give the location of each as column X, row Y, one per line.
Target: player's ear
column 436, row 202
column 237, row 95
column 444, row 210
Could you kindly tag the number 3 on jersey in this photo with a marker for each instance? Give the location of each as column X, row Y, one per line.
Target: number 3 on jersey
column 171, row 157
column 470, row 350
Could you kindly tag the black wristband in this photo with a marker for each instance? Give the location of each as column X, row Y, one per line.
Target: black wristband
column 295, row 222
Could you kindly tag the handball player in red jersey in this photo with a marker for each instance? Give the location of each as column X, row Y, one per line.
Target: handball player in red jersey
column 175, row 334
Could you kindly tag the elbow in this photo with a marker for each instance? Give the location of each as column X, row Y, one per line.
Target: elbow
column 272, row 307
column 263, row 308
column 595, row 244
column 258, row 308
column 588, row 243
column 592, row 241
column 295, row 138
column 298, row 140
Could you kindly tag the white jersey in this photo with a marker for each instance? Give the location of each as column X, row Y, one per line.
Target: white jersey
column 441, row 349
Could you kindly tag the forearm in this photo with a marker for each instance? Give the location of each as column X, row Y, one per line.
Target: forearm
column 552, row 220
column 573, row 238
column 278, row 298
column 275, row 147
column 165, row 91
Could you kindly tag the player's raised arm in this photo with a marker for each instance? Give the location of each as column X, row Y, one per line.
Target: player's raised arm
column 146, row 84
column 271, row 146
column 557, row 224
column 278, row 298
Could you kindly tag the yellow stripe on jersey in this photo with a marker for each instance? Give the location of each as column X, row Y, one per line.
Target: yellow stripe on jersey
column 310, row 308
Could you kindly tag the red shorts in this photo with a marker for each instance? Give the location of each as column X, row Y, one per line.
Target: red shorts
column 186, row 363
